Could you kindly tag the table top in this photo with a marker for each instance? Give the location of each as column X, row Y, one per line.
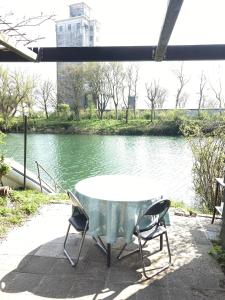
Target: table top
column 118, row 188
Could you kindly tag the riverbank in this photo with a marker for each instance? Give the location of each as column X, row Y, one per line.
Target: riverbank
column 110, row 127
column 20, row 205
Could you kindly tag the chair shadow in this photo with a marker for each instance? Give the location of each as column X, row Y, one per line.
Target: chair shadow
column 47, row 273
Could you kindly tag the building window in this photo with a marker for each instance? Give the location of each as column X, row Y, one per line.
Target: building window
column 60, row 28
column 78, row 26
column 91, row 28
column 69, row 26
column 91, row 38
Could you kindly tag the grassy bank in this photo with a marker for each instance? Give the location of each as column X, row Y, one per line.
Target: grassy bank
column 17, row 208
column 14, row 210
column 168, row 125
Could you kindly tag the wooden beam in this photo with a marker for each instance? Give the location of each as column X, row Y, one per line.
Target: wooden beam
column 136, row 53
column 13, row 46
column 172, row 13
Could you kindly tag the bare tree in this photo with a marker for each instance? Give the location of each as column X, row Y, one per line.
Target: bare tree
column 132, row 74
column 155, row 95
column 114, row 73
column 73, row 87
column 218, row 92
column 98, row 86
column 46, row 96
column 182, row 80
column 201, row 98
column 17, row 29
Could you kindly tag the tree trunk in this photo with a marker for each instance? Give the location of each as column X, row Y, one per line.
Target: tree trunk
column 46, row 111
column 116, row 112
column 127, row 114
column 152, row 112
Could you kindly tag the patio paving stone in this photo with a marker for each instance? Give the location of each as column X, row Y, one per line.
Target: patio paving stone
column 33, row 265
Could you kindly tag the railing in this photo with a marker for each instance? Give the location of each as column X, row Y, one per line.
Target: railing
column 55, row 187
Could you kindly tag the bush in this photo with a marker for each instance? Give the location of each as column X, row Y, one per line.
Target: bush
column 63, row 110
column 4, row 168
column 208, row 152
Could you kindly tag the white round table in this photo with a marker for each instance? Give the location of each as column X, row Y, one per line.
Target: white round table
column 114, row 203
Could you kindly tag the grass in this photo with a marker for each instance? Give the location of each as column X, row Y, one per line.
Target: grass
column 14, row 210
column 218, row 253
column 181, row 205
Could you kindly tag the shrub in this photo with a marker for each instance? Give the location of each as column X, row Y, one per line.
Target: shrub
column 4, row 168
column 63, row 109
column 208, row 152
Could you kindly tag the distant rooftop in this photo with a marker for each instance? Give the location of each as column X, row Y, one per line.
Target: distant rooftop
column 79, row 9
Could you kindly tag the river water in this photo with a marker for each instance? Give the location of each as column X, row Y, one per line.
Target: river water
column 70, row 158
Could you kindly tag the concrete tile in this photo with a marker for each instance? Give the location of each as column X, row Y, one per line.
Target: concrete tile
column 123, row 275
column 21, row 282
column 55, row 287
column 62, row 266
column 37, row 264
column 50, row 250
column 154, row 293
column 86, row 288
column 120, row 291
column 207, row 294
column 178, row 293
column 36, row 268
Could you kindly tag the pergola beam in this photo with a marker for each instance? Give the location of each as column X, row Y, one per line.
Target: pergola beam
column 172, row 13
column 20, row 50
column 129, row 53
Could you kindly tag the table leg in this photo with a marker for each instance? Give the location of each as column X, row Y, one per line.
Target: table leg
column 108, row 254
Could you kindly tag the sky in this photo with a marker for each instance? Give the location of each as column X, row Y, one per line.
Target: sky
column 139, row 22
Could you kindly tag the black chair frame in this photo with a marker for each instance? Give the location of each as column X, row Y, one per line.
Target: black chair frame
column 156, row 228
column 78, row 211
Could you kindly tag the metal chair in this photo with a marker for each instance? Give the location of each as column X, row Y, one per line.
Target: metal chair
column 218, row 203
column 155, row 229
column 80, row 221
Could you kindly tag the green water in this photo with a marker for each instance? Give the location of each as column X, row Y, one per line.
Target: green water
column 70, row 158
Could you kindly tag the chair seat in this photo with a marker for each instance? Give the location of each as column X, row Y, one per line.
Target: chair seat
column 152, row 233
column 78, row 222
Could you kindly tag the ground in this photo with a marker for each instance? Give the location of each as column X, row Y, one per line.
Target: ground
column 33, row 266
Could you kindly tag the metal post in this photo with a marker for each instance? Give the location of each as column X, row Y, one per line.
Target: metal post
column 25, row 152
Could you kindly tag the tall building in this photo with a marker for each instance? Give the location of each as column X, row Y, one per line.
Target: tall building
column 79, row 30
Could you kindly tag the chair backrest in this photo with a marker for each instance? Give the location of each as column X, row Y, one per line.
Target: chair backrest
column 157, row 211
column 160, row 207
column 76, row 204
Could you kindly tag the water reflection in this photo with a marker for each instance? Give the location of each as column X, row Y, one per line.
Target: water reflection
column 70, row 158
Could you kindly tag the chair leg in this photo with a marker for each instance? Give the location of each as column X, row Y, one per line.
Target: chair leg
column 168, row 248
column 161, row 242
column 64, row 247
column 81, row 243
column 74, row 262
column 119, row 256
column 121, row 251
column 142, row 257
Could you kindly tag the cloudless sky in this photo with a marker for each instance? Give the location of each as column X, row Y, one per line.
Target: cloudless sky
column 132, row 22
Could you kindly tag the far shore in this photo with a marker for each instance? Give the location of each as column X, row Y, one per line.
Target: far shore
column 110, row 127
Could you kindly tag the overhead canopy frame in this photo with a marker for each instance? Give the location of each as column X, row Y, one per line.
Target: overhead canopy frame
column 126, row 53
column 13, row 47
column 15, row 53
column 173, row 10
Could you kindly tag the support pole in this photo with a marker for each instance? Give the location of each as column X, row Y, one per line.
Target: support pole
column 25, row 152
